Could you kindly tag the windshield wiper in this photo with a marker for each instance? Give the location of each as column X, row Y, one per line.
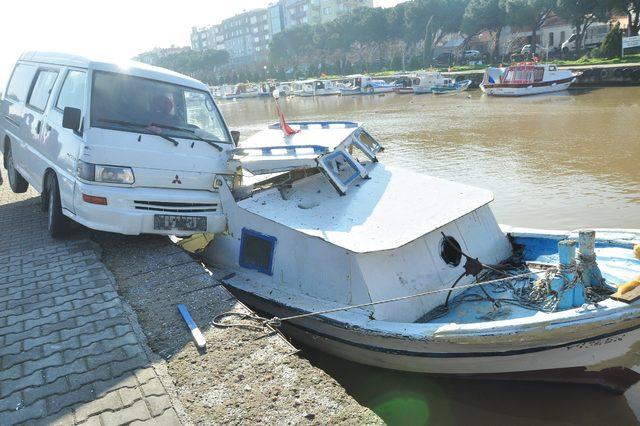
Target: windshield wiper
column 137, row 126
column 193, row 132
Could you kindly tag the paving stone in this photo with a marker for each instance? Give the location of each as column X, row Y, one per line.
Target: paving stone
column 77, row 366
column 33, row 341
column 130, row 395
column 119, row 367
column 7, row 387
column 82, row 378
column 10, row 403
column 158, row 404
column 168, row 418
column 138, row 411
column 42, row 363
column 56, row 403
column 153, row 387
column 61, row 418
column 35, row 393
column 110, row 401
column 30, row 412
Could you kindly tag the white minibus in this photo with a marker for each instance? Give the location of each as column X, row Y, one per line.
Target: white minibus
column 119, row 147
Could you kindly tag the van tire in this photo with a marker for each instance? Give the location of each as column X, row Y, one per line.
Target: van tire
column 57, row 222
column 17, row 183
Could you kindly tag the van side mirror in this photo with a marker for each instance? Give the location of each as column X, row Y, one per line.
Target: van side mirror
column 71, row 118
column 235, row 135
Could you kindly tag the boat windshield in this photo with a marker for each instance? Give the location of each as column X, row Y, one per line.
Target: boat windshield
column 523, row 74
column 173, row 110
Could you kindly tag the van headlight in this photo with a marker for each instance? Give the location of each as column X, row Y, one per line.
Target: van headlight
column 106, row 174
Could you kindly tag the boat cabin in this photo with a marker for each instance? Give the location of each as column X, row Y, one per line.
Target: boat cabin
column 527, row 73
column 315, row 215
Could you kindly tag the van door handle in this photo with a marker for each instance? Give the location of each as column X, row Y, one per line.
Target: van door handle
column 38, row 127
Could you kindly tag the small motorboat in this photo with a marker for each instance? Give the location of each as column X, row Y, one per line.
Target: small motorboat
column 529, row 78
column 450, row 86
column 424, row 81
column 387, row 267
column 365, row 85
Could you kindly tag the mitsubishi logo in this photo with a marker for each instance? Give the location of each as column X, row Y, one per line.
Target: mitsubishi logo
column 177, row 180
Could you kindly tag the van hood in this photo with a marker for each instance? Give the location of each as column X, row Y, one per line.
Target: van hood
column 156, row 162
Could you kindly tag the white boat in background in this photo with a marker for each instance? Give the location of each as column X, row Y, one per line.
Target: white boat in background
column 391, row 268
column 285, row 88
column 365, row 85
column 312, row 88
column 423, row 81
column 525, row 79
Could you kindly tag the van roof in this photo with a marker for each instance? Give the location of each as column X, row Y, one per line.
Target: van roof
column 129, row 67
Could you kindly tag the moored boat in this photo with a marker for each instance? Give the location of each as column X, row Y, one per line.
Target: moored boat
column 387, row 267
column 424, row 81
column 528, row 78
column 450, row 86
column 366, row 85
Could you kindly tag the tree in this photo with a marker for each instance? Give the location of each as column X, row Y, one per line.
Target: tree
column 581, row 14
column 631, row 8
column 528, row 13
column 612, row 44
column 481, row 15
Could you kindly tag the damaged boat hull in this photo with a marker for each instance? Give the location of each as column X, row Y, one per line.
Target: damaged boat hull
column 586, row 360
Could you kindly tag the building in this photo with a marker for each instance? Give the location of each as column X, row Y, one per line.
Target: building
column 247, row 36
column 209, row 37
column 313, row 12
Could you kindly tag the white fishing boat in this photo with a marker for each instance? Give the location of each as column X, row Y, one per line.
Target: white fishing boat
column 423, row 82
column 391, row 268
column 366, row 85
column 310, row 88
column 525, row 79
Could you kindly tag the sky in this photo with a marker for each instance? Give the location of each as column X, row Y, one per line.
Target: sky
column 113, row 28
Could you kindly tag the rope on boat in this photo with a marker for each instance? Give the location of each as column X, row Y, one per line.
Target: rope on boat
column 276, row 321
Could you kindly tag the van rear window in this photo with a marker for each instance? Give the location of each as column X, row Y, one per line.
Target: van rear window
column 20, row 82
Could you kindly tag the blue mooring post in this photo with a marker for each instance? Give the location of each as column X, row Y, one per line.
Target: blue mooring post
column 591, row 274
column 566, row 254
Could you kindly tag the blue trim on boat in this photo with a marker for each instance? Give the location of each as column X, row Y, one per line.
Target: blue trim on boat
column 339, row 324
column 323, row 124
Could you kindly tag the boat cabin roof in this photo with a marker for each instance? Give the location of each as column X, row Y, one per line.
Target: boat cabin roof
column 390, row 209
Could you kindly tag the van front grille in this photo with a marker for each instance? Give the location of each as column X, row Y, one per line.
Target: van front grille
column 162, row 206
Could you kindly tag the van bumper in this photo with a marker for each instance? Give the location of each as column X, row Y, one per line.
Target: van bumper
column 131, row 211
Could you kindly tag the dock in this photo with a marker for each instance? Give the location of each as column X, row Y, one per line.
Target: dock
column 90, row 332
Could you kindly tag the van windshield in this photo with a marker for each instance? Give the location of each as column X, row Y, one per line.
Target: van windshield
column 124, row 102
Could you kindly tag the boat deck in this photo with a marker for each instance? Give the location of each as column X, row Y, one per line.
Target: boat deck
column 617, row 264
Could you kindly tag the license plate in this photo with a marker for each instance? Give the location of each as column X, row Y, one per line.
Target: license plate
column 166, row 222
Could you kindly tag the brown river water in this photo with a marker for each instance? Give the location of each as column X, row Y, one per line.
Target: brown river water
column 562, row 161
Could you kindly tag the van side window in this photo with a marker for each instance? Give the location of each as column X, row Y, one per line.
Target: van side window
column 72, row 92
column 42, row 89
column 20, row 82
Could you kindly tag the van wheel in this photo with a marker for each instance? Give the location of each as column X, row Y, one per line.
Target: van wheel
column 57, row 223
column 17, row 183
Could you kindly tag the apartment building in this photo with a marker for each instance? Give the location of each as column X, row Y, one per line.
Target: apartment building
column 247, row 36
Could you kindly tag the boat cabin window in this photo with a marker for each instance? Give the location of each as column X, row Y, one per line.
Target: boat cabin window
column 342, row 167
column 369, row 142
column 256, row 251
column 552, row 68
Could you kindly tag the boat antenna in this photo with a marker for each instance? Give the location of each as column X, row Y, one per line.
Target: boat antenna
column 288, row 131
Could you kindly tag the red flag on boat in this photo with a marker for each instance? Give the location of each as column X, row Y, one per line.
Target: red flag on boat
column 288, row 131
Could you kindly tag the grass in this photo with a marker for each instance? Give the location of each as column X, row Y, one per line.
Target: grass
column 600, row 61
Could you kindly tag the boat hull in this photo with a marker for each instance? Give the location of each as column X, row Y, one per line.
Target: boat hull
column 578, row 361
column 513, row 90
